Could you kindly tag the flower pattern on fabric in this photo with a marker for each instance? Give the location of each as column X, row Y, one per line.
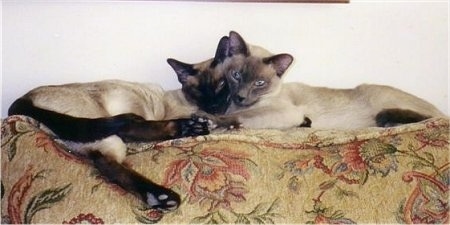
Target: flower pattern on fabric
column 88, row 218
column 213, row 177
column 429, row 201
column 43, row 200
column 244, row 176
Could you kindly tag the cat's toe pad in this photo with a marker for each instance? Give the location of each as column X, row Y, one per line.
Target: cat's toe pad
column 163, row 202
column 196, row 125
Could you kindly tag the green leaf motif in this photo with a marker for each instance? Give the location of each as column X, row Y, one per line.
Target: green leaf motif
column 363, row 177
column 341, row 193
column 45, row 200
column 210, row 218
column 214, row 161
column 188, row 172
column 374, row 148
column 12, row 151
column 417, row 165
column 13, row 147
column 429, row 157
column 327, row 185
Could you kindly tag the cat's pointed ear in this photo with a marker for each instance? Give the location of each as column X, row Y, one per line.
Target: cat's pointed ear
column 221, row 52
column 280, row 62
column 183, row 70
column 237, row 45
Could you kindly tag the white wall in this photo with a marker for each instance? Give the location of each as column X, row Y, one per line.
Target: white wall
column 404, row 44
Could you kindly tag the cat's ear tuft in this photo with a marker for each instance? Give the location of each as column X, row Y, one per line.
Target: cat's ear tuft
column 221, row 52
column 280, row 62
column 183, row 70
column 237, row 45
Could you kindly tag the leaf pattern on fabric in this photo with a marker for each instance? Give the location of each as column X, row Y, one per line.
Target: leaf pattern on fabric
column 242, row 176
column 45, row 200
column 212, row 177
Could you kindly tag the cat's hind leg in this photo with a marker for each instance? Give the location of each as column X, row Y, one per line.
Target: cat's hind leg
column 156, row 196
column 395, row 117
column 107, row 156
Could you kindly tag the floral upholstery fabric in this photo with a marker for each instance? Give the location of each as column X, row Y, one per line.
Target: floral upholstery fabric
column 301, row 175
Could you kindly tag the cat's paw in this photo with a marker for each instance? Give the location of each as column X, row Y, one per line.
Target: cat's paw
column 162, row 199
column 195, row 126
column 228, row 122
column 306, row 122
column 224, row 121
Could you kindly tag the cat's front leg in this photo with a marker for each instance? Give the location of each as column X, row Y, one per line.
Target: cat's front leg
column 137, row 129
column 274, row 117
column 220, row 121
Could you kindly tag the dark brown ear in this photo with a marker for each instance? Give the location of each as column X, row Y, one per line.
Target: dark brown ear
column 183, row 70
column 221, row 52
column 237, row 45
column 280, row 62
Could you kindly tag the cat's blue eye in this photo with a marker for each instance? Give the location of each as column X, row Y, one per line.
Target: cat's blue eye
column 236, row 75
column 260, row 83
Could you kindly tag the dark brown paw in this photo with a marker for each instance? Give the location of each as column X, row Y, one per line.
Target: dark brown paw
column 162, row 198
column 195, row 126
column 306, row 123
column 227, row 122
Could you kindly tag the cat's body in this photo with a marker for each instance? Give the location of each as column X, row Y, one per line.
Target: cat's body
column 261, row 100
column 113, row 97
column 329, row 108
column 155, row 117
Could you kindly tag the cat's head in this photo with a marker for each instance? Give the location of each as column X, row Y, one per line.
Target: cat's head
column 201, row 84
column 251, row 73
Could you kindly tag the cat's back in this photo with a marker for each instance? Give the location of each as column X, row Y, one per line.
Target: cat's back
column 101, row 98
column 301, row 94
column 384, row 97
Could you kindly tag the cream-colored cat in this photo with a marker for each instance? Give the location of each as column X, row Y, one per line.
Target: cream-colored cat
column 261, row 100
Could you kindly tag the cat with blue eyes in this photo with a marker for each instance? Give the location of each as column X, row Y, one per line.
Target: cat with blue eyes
column 259, row 98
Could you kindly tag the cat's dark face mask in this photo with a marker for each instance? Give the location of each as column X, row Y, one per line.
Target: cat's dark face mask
column 210, row 94
column 202, row 85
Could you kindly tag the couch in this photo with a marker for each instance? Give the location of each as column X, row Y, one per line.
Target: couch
column 301, row 175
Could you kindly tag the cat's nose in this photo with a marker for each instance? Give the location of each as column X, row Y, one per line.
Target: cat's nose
column 239, row 98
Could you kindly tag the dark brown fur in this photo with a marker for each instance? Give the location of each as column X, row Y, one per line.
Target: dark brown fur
column 393, row 117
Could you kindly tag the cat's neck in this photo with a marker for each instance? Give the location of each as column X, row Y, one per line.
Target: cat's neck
column 177, row 106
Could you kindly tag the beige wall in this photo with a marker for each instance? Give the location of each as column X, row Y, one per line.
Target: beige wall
column 404, row 44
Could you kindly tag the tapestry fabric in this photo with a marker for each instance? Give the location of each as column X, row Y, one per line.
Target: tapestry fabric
column 300, row 175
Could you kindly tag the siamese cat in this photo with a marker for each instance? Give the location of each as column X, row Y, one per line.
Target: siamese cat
column 97, row 119
column 261, row 100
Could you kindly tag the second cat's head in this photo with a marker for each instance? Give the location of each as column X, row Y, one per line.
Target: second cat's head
column 252, row 73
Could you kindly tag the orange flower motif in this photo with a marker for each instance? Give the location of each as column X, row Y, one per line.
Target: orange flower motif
column 211, row 176
column 351, row 161
column 433, row 138
column 352, row 157
column 210, row 179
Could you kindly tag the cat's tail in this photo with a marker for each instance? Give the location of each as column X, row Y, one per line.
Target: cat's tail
column 394, row 117
column 70, row 128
